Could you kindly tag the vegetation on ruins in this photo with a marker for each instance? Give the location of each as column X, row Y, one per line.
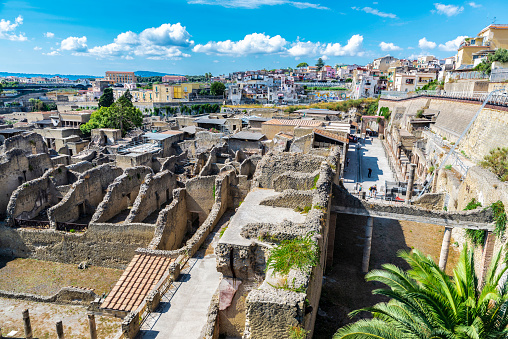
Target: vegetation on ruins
column 366, row 106
column 476, row 237
column 122, row 115
column 385, row 112
column 297, row 332
column 217, row 88
column 299, row 253
column 497, row 162
column 106, row 99
column 500, row 55
column 427, row 303
column 40, row 106
column 316, row 178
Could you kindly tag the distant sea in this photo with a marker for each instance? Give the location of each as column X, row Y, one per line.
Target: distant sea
column 76, row 76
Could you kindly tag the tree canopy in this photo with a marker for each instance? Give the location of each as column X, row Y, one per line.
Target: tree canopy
column 427, row 303
column 106, row 99
column 320, row 63
column 302, row 64
column 217, row 88
column 121, row 115
column 40, row 106
column 500, row 55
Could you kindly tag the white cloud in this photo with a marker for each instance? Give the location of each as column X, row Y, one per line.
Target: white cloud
column 49, row 35
column 423, row 43
column 307, row 48
column 156, row 43
column 374, row 11
column 37, row 48
column 257, row 3
column 53, row 53
column 74, row 44
column 7, row 29
column 255, row 43
column 353, row 48
column 448, row 10
column 216, row 61
column 452, row 45
column 474, row 4
column 389, row 46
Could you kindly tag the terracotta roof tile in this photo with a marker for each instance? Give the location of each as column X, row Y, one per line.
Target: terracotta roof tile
column 140, row 276
column 331, row 135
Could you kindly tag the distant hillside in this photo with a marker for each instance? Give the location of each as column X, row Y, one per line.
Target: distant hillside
column 151, row 74
column 32, row 75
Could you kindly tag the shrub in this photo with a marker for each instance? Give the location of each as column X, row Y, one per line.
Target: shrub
column 300, row 253
column 448, row 167
column 477, row 237
column 432, row 169
column 296, row 332
column 497, row 162
column 419, row 113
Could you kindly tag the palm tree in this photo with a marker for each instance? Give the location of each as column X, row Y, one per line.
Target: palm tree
column 426, row 303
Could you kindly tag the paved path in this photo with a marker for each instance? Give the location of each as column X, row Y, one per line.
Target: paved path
column 362, row 156
column 183, row 310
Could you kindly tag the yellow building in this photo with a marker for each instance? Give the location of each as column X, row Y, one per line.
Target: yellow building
column 489, row 39
column 168, row 93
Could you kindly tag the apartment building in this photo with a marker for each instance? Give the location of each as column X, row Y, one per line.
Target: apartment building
column 121, row 77
column 168, row 93
column 487, row 41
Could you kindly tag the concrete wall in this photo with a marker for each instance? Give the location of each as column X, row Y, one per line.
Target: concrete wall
column 121, row 193
column 153, row 193
column 108, row 245
column 467, row 86
column 17, row 168
column 85, row 195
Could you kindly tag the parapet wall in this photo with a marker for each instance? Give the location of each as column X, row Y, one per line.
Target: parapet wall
column 153, row 193
column 121, row 193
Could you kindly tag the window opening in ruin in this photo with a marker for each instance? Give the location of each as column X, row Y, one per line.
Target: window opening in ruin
column 70, row 152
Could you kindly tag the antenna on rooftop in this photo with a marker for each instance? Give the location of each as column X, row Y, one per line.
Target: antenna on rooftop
column 494, row 21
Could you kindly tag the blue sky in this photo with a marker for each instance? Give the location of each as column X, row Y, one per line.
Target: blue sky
column 221, row 36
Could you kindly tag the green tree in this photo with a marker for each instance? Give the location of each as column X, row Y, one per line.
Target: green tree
column 128, row 95
column 500, row 55
column 302, row 65
column 121, row 115
column 427, row 303
column 217, row 88
column 1, row 89
column 320, row 63
column 106, row 99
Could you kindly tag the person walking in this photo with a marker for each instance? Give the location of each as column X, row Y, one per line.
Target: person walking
column 370, row 173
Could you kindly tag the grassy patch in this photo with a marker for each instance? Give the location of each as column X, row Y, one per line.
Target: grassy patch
column 300, row 253
column 316, row 178
column 497, row 162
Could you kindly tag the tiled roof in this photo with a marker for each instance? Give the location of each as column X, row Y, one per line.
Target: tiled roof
column 285, row 135
column 331, row 135
column 138, row 279
column 296, row 122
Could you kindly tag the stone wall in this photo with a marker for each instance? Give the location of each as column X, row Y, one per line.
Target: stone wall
column 85, row 195
column 295, row 181
column 291, row 199
column 81, row 166
column 210, row 167
column 17, row 168
column 121, row 193
column 274, row 164
column 153, row 193
column 30, row 143
column 29, row 199
column 302, row 144
column 201, row 194
column 134, row 159
column 171, row 224
column 66, row 295
column 107, row 245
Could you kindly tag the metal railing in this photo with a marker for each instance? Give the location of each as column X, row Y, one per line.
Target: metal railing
column 499, row 99
column 40, row 224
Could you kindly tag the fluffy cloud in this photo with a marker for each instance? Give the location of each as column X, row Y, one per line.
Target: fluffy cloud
column 423, row 43
column 255, row 43
column 158, row 43
column 256, row 3
column 353, row 48
column 74, row 44
column 53, row 53
column 8, row 28
column 307, row 48
column 448, row 10
column 389, row 46
column 37, row 48
column 474, row 4
column 452, row 45
column 374, row 11
column 49, row 35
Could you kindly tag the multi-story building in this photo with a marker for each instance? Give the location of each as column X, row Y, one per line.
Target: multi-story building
column 383, row 63
column 487, row 41
column 174, row 78
column 168, row 93
column 121, row 77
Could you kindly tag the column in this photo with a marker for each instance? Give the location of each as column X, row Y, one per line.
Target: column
column 93, row 328
column 59, row 330
column 368, row 242
column 410, row 182
column 27, row 325
column 445, row 247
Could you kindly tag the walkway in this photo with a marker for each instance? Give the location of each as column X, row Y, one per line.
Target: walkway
column 182, row 312
column 362, row 156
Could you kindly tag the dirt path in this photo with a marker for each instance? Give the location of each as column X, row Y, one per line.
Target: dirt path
column 43, row 317
column 345, row 289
